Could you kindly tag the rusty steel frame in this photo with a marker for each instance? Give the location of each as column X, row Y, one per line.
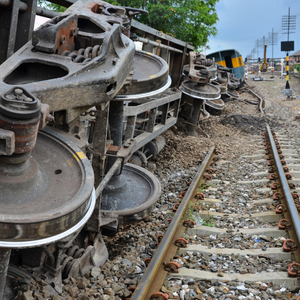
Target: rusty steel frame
column 158, row 107
column 155, row 274
column 64, row 84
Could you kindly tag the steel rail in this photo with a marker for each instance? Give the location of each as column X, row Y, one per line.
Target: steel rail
column 156, row 263
column 260, row 104
column 285, row 187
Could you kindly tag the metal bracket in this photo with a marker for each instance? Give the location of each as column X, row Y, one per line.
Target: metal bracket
column 122, row 163
column 7, row 142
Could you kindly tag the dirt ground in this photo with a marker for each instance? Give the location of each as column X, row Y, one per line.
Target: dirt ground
column 236, row 122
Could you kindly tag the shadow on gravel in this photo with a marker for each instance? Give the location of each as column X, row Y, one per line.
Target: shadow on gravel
column 249, row 124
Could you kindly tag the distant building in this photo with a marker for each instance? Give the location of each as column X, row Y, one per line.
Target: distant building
column 296, row 56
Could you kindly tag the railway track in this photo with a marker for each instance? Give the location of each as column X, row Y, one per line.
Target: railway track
column 243, row 240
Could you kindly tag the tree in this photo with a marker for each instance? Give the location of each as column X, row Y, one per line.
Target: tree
column 51, row 6
column 188, row 20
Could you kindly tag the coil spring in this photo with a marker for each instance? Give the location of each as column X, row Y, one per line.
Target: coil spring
column 204, row 62
column 83, row 55
column 69, row 259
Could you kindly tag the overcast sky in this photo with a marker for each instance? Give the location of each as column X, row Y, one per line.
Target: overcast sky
column 242, row 22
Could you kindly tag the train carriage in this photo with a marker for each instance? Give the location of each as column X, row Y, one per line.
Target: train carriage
column 231, row 59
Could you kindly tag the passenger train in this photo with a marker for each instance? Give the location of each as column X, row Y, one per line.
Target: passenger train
column 231, row 59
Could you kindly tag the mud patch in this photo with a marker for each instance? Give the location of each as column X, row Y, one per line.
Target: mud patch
column 248, row 123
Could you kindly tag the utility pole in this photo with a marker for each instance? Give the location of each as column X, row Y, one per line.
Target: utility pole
column 288, row 23
column 257, row 47
column 253, row 53
column 261, row 43
column 272, row 40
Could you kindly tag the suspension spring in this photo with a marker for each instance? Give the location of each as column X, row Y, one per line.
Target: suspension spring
column 203, row 62
column 83, row 55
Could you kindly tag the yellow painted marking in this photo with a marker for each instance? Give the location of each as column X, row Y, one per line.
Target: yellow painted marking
column 70, row 162
column 81, row 155
column 236, row 62
column 222, row 63
column 149, row 53
column 287, row 77
column 287, row 67
column 153, row 76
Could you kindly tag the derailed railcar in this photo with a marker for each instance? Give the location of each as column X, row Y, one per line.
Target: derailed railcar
column 77, row 103
column 231, row 59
